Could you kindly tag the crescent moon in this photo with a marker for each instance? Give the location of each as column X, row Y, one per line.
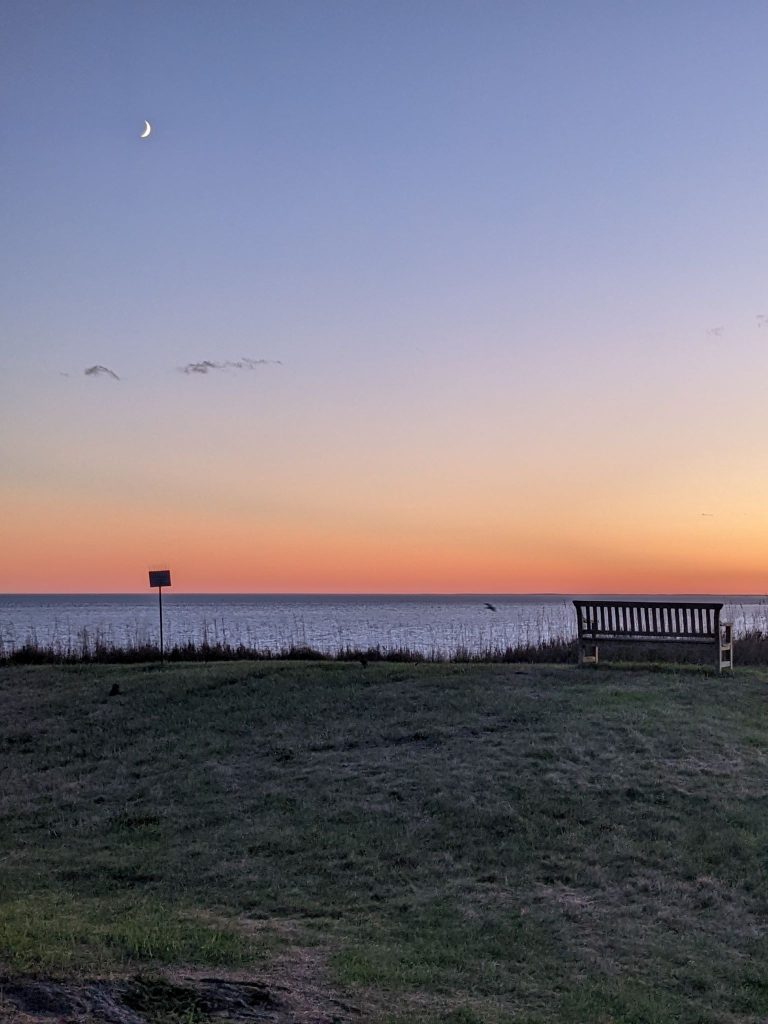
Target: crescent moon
column 147, row 130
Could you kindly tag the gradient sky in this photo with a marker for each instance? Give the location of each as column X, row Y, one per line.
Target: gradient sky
column 506, row 265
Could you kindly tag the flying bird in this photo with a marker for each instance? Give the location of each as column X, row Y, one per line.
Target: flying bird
column 492, row 607
column 100, row 371
column 716, row 332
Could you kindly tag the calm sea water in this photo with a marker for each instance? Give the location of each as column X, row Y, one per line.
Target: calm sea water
column 429, row 624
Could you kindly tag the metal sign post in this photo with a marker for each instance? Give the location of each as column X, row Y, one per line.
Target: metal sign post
column 160, row 578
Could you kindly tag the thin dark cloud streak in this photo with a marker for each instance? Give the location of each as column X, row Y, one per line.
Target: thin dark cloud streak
column 207, row 365
column 100, row 371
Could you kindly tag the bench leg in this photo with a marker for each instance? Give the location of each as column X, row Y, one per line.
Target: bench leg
column 725, row 647
column 587, row 653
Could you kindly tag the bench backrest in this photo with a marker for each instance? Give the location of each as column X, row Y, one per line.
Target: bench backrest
column 601, row 620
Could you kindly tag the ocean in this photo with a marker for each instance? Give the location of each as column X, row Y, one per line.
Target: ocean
column 433, row 625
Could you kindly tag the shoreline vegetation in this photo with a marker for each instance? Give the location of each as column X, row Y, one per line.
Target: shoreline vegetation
column 92, row 648
column 412, row 843
column 87, row 650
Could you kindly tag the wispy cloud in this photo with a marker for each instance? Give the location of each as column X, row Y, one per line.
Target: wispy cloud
column 100, row 371
column 203, row 367
column 206, row 365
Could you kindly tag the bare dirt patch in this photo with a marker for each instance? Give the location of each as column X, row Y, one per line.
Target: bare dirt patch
column 166, row 999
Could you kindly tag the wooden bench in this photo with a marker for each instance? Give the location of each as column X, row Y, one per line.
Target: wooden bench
column 687, row 622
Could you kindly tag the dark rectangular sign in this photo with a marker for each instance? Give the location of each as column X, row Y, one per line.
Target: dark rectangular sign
column 160, row 578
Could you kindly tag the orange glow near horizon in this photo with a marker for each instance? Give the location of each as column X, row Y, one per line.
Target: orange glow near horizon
column 109, row 550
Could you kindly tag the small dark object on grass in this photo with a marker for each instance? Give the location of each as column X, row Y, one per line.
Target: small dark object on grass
column 363, row 661
column 115, row 691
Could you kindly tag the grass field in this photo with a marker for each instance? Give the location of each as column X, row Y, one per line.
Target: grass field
column 468, row 844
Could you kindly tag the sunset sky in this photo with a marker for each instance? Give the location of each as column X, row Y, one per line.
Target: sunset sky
column 396, row 297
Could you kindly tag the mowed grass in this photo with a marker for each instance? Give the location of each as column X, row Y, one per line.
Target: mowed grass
column 440, row 843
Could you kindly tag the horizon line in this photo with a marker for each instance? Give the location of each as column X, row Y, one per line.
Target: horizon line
column 380, row 593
